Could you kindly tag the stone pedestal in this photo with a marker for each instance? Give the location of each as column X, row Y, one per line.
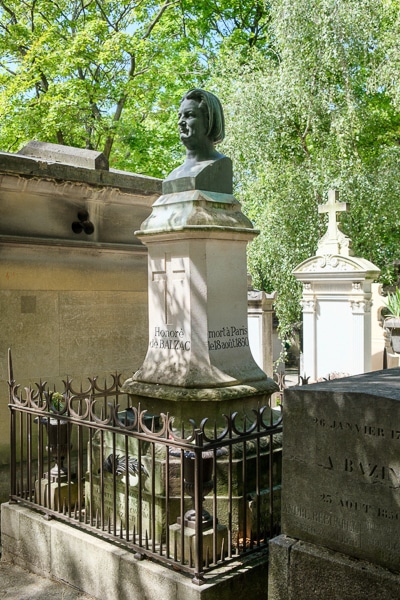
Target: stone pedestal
column 198, row 361
column 199, row 365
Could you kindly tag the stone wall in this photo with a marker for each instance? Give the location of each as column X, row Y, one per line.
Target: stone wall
column 73, row 276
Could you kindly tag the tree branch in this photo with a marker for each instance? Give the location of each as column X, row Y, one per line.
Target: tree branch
column 158, row 16
column 6, row 68
column 12, row 14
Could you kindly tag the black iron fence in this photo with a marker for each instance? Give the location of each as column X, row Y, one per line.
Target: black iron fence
column 194, row 497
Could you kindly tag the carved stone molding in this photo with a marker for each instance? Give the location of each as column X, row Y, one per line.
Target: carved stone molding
column 308, row 305
column 360, row 306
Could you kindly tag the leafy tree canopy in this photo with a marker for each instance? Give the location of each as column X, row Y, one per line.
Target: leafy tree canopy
column 324, row 115
column 108, row 75
column 88, row 74
column 310, row 89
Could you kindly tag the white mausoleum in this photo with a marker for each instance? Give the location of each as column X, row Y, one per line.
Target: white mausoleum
column 336, row 303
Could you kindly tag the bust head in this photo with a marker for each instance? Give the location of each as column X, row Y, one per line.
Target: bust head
column 201, row 124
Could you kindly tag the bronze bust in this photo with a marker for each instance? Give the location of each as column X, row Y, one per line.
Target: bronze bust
column 201, row 126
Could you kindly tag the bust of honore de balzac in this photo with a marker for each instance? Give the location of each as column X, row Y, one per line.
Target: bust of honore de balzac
column 201, row 127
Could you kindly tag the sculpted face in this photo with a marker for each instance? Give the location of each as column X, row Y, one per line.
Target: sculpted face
column 192, row 124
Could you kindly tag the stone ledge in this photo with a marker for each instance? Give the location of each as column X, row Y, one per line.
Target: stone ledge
column 201, row 403
column 196, row 209
column 107, row 572
column 27, row 166
column 77, row 157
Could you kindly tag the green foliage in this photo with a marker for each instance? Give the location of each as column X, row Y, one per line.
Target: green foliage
column 393, row 304
column 57, row 401
column 322, row 116
column 109, row 75
column 91, row 74
column 310, row 90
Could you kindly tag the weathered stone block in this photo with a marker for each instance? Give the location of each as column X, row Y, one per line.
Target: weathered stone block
column 303, row 571
column 241, row 512
column 341, row 466
column 78, row 157
column 139, row 513
column 25, row 539
column 59, row 495
column 153, row 478
column 79, row 559
column 175, row 542
column 279, row 567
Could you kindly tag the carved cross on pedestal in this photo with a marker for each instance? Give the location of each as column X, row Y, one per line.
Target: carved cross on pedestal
column 332, row 207
column 167, row 277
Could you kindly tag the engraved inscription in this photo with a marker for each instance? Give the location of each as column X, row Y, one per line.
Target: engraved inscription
column 120, row 508
column 376, row 473
column 227, row 338
column 357, row 428
column 321, row 517
column 370, row 471
column 169, row 339
column 358, row 506
column 338, row 529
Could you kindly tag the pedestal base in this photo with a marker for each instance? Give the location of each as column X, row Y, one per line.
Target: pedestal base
column 58, row 551
column 200, row 403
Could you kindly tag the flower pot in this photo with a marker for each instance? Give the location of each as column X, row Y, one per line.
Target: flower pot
column 392, row 330
column 57, row 444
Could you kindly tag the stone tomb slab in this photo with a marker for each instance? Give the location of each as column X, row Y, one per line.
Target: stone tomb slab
column 341, row 466
column 114, row 498
column 243, row 500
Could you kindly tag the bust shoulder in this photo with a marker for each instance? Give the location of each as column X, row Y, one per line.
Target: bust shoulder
column 213, row 175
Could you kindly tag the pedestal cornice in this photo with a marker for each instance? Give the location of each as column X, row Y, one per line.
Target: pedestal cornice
column 195, row 210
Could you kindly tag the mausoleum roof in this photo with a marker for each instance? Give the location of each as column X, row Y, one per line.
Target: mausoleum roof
column 332, row 266
column 56, row 194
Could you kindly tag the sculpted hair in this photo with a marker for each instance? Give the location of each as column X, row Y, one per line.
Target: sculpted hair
column 212, row 110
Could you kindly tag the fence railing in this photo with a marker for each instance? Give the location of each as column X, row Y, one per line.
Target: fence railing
column 194, row 497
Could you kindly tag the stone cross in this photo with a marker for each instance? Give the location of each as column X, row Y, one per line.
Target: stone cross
column 166, row 277
column 332, row 207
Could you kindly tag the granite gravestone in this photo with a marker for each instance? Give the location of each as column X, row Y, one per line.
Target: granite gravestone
column 341, row 482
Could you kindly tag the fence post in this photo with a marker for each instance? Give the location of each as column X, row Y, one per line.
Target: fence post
column 13, row 437
column 198, row 507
